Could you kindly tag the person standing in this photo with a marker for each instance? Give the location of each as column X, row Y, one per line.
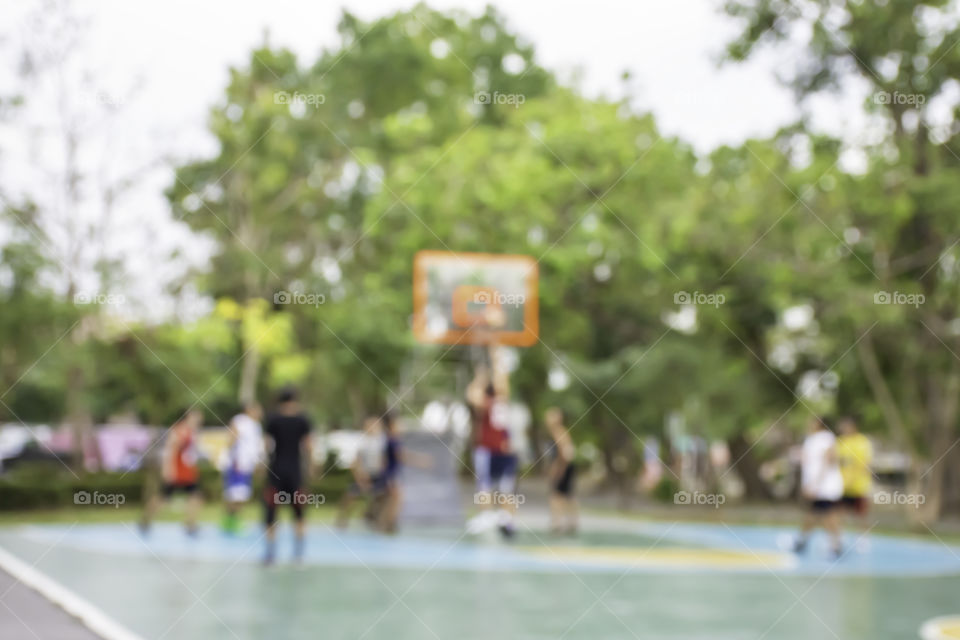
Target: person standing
column 855, row 454
column 366, row 468
column 494, row 462
column 288, row 430
column 179, row 471
column 821, row 485
column 244, row 453
column 563, row 506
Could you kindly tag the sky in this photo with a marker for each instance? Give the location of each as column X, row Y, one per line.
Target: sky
column 164, row 64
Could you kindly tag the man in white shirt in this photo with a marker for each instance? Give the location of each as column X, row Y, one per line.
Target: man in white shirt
column 243, row 455
column 821, row 484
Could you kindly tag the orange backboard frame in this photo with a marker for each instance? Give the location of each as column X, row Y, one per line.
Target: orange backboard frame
column 471, row 327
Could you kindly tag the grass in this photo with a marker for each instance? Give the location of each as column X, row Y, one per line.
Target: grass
column 173, row 512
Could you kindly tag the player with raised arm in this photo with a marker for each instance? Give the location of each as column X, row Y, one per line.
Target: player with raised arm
column 494, row 462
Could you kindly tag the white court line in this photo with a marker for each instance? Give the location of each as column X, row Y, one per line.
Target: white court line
column 93, row 618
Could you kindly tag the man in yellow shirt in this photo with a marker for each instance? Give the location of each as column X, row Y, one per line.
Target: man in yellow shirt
column 855, row 453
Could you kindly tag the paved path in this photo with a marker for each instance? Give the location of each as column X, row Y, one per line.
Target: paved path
column 26, row 614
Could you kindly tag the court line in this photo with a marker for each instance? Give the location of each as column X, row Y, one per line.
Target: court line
column 84, row 611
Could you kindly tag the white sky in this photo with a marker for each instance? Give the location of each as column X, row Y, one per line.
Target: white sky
column 177, row 53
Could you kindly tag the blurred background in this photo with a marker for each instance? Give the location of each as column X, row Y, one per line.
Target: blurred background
column 743, row 213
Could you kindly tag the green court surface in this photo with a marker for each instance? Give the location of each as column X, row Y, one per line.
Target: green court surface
column 632, row 580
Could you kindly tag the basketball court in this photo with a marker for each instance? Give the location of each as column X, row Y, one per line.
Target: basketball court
column 620, row 579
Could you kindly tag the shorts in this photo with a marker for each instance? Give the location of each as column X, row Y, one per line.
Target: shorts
column 856, row 504
column 494, row 471
column 564, row 485
column 378, row 484
column 170, row 488
column 237, row 486
column 279, row 493
column 823, row 506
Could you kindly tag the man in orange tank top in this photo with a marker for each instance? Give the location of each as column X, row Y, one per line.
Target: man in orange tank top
column 179, row 470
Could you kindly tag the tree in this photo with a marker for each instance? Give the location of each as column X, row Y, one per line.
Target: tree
column 902, row 211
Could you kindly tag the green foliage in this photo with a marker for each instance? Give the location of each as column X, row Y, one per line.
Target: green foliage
column 331, row 174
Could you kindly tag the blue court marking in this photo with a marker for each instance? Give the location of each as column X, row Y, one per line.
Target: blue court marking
column 683, row 548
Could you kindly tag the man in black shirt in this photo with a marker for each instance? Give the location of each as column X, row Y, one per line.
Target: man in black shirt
column 289, row 431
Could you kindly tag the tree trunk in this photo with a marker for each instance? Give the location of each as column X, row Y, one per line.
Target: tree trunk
column 942, row 396
column 79, row 420
column 248, row 375
column 748, row 467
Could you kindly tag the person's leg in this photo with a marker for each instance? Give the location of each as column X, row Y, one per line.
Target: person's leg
column 270, row 520
column 810, row 519
column 573, row 515
column 568, row 508
column 149, row 511
column 151, row 507
column 194, row 503
column 863, row 524
column 231, row 521
column 344, row 508
column 831, row 522
column 483, row 498
column 481, row 468
column 391, row 509
column 505, row 470
column 300, row 527
column 556, row 512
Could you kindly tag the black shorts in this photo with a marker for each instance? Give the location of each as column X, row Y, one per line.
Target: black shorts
column 503, row 465
column 564, row 485
column 170, row 488
column 282, row 492
column 857, row 504
column 823, row 506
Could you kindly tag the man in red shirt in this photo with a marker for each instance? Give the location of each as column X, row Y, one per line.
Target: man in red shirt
column 179, row 470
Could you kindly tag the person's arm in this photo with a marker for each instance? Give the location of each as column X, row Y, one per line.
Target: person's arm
column 360, row 475
column 477, row 388
column 169, row 452
column 232, row 438
column 306, row 448
column 499, row 375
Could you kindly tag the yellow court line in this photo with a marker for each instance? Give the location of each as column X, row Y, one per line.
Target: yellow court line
column 667, row 557
column 942, row 628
